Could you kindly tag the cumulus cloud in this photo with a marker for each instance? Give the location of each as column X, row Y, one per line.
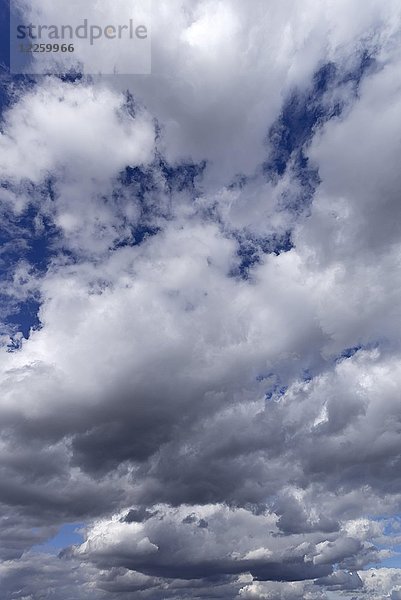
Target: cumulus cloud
column 212, row 385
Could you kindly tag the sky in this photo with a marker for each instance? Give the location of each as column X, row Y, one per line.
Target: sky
column 200, row 317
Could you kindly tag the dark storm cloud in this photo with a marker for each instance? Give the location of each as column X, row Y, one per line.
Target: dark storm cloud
column 341, row 581
column 172, row 544
column 138, row 515
column 18, row 533
column 44, row 576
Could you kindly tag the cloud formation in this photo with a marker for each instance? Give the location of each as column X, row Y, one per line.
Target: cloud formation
column 212, row 382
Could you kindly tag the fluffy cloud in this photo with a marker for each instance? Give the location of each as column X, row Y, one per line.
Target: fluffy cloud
column 218, row 405
column 81, row 137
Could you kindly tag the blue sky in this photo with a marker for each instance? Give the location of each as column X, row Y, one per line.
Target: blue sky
column 67, row 535
column 5, row 32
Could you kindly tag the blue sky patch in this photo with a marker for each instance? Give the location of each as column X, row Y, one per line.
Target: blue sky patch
column 67, row 535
